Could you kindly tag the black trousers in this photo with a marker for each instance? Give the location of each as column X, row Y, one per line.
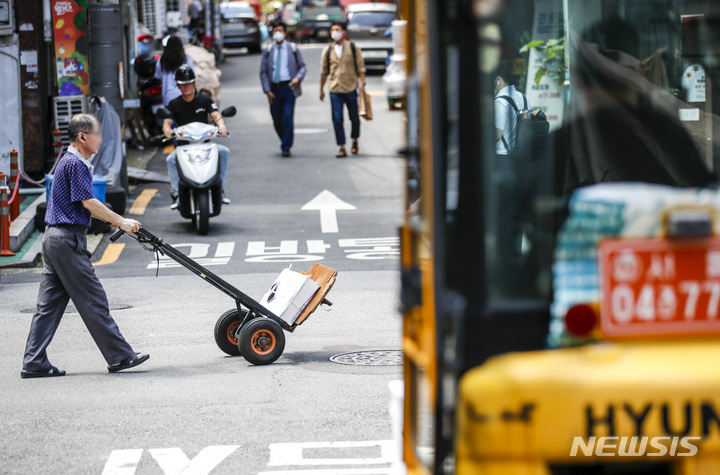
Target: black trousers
column 69, row 274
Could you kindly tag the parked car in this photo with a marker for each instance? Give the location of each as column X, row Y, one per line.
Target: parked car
column 395, row 78
column 316, row 18
column 366, row 27
column 240, row 26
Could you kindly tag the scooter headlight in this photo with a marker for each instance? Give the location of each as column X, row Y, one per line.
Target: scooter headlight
column 198, row 157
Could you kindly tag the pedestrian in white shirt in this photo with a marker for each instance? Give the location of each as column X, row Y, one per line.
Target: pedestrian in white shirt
column 505, row 114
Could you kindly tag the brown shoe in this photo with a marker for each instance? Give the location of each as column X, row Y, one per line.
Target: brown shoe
column 342, row 153
column 355, row 149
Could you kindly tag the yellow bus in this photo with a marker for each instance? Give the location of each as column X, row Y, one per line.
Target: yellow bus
column 560, row 258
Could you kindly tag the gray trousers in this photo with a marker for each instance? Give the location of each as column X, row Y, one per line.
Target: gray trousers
column 69, row 274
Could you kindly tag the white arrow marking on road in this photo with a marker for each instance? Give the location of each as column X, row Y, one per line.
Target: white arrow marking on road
column 122, row 462
column 328, row 204
column 173, row 461
column 291, row 453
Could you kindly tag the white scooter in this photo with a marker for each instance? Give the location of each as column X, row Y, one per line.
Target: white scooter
column 198, row 164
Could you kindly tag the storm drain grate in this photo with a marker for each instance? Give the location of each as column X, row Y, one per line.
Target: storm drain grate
column 370, row 358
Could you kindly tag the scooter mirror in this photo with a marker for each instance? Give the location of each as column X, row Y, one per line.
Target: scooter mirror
column 229, row 112
column 163, row 113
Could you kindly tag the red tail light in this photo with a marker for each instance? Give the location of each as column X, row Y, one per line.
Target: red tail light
column 145, row 37
column 580, row 320
column 151, row 91
column 208, row 41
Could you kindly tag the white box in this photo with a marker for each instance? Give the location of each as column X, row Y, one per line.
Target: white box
column 289, row 295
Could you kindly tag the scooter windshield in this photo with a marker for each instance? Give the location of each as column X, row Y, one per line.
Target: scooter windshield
column 196, row 131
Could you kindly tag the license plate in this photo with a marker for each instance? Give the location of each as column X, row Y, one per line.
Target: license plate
column 375, row 54
column 323, row 33
column 660, row 287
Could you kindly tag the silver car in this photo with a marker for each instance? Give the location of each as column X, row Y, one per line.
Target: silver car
column 240, row 26
column 368, row 26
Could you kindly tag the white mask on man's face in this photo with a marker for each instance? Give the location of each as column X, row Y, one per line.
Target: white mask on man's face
column 336, row 35
column 278, row 36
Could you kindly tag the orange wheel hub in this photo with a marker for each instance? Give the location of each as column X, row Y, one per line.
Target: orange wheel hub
column 263, row 342
column 232, row 329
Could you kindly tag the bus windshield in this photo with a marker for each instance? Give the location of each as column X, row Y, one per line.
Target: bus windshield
column 585, row 93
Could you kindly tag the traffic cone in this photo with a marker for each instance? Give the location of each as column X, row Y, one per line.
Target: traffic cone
column 57, row 143
column 15, row 203
column 4, row 218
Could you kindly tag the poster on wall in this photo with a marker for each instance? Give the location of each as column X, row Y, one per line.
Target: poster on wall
column 71, row 46
column 547, row 24
column 693, row 81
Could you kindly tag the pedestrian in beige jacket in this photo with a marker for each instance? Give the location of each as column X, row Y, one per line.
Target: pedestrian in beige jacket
column 343, row 68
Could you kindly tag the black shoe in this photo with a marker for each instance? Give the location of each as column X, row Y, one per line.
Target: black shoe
column 129, row 362
column 286, row 153
column 48, row 373
column 175, row 203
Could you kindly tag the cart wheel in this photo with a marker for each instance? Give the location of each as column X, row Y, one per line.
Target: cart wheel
column 226, row 329
column 262, row 341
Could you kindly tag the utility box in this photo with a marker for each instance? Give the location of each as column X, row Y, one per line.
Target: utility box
column 7, row 18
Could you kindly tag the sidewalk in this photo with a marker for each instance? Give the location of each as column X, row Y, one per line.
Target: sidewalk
column 28, row 256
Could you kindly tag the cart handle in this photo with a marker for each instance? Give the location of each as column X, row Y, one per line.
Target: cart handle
column 117, row 235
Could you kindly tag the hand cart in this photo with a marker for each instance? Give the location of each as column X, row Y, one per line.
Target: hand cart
column 250, row 329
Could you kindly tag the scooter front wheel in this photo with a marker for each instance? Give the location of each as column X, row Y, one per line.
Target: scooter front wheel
column 202, row 213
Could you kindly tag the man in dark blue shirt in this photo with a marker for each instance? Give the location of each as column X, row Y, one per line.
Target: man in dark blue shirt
column 67, row 270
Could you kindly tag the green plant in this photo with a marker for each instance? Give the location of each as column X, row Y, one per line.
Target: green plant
column 553, row 64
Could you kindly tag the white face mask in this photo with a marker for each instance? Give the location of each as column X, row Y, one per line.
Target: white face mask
column 337, row 35
column 278, row 36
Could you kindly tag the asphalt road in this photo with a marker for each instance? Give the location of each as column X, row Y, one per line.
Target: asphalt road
column 191, row 409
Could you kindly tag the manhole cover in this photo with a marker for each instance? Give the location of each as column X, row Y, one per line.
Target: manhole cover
column 72, row 309
column 370, row 358
column 308, row 131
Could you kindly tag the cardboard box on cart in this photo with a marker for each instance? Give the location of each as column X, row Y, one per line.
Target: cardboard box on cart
column 295, row 295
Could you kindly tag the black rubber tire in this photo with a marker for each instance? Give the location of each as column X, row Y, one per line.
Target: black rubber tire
column 251, row 347
column 255, row 49
column 226, row 326
column 116, row 196
column 202, row 213
column 40, row 212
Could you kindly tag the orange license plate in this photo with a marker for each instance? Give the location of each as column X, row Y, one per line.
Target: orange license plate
column 660, row 287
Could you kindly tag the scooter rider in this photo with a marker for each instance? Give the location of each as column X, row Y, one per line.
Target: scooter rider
column 193, row 107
